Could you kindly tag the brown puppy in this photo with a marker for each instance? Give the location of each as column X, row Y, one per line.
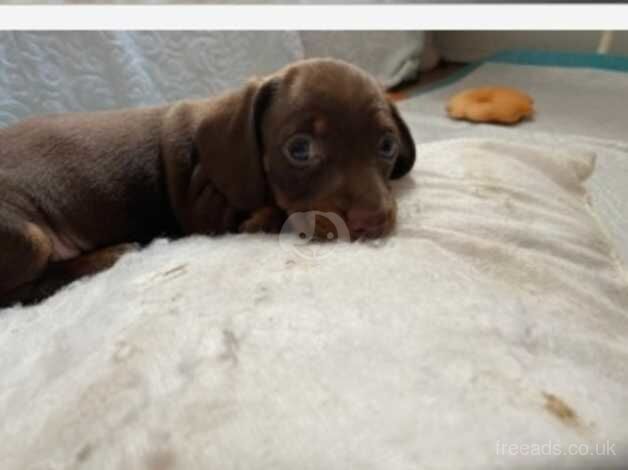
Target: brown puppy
column 75, row 189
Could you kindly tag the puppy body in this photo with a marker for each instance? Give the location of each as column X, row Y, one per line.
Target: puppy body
column 87, row 180
column 73, row 187
column 75, row 183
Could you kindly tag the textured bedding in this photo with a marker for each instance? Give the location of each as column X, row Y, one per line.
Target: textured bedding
column 46, row 72
column 495, row 316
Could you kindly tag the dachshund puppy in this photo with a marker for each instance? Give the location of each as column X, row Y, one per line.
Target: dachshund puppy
column 76, row 190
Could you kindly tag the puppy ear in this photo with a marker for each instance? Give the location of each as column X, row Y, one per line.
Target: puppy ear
column 407, row 153
column 228, row 143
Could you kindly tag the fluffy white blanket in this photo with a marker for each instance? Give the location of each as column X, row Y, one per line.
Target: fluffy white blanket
column 488, row 332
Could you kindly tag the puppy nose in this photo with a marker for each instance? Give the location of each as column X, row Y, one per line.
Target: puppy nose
column 365, row 221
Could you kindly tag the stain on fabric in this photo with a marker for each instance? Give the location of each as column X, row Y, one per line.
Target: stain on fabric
column 558, row 408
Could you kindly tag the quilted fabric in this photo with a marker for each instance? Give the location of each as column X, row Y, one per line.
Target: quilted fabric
column 46, row 72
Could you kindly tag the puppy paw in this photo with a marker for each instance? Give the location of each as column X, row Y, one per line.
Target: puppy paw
column 267, row 219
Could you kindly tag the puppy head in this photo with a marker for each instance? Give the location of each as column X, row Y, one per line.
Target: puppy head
column 331, row 142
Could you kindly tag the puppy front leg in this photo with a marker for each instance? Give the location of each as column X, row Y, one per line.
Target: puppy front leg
column 267, row 219
column 61, row 273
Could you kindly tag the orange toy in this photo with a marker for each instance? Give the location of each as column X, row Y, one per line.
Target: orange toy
column 491, row 104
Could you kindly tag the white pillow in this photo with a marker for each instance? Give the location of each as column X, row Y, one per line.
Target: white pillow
column 491, row 327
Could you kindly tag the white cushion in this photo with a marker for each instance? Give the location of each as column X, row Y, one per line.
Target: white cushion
column 494, row 319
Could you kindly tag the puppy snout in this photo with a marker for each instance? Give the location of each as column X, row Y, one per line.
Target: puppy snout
column 367, row 222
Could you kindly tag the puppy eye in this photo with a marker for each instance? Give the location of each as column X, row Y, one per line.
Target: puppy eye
column 299, row 149
column 388, row 147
